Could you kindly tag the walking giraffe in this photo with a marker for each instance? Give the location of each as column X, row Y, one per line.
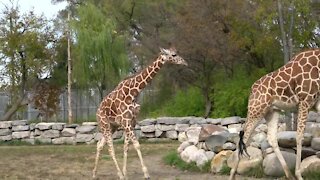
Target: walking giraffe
column 119, row 109
column 293, row 87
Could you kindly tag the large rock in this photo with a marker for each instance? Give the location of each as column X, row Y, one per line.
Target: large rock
column 148, row 128
column 163, row 127
column 86, row 129
column 117, row 134
column 183, row 146
column 209, row 129
column 50, row 133
column 89, row 124
column 230, row 120
column 5, row 124
column 213, row 121
column 5, row 132
column 64, row 140
column 167, row 120
column 172, row 134
column 198, row 120
column 20, row 134
column 58, row 126
column 20, row 128
column 233, row 137
column 272, row 166
column 188, row 152
column 311, row 163
column 199, row 157
column 67, row 132
column 43, row 140
column 147, row 122
column 287, row 139
column 6, row 138
column 83, row 138
column 246, row 163
column 261, row 128
column 44, row 126
column 259, row 138
column 220, row 160
column 215, row 142
column 315, row 143
column 158, row 133
column 312, row 116
column 181, row 127
column 234, row 128
column 229, row 146
column 313, row 128
column 182, row 137
column 147, row 134
column 193, row 134
column 19, row 123
column 183, row 120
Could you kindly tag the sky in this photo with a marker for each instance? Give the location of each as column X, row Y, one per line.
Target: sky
column 39, row 6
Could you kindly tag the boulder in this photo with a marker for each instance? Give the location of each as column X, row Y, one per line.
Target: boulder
column 98, row 136
column 233, row 137
column 147, row 134
column 5, row 132
column 43, row 126
column 210, row 155
column 213, row 121
column 147, row 122
column 58, row 126
column 20, row 128
column 183, row 146
column 5, row 124
column 230, row 120
column 311, row 163
column 318, row 154
column 67, row 132
column 90, row 124
column 50, row 133
column 64, row 140
column 215, row 142
column 167, row 120
column 19, row 122
column 29, row 140
column 246, row 163
column 220, row 160
column 158, row 133
column 181, row 127
column 229, row 146
column 315, row 143
column 148, row 128
column 187, row 153
column 163, row 127
column 182, row 137
column 287, row 139
column 208, row 130
column 183, row 120
column 71, row 125
column 259, row 138
column 86, row 129
column 43, row 140
column 313, row 128
column 117, row 134
column 83, row 138
column 306, row 152
column 172, row 134
column 193, row 134
column 197, row 120
column 261, row 128
column 312, row 116
column 272, row 166
column 6, row 138
column 20, row 134
column 199, row 157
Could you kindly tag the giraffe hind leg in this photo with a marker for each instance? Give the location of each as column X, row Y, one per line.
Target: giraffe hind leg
column 100, row 145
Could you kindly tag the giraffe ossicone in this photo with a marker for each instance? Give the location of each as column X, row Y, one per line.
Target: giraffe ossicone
column 293, row 87
column 120, row 109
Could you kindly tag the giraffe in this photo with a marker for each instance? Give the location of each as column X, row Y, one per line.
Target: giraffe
column 293, row 87
column 120, row 109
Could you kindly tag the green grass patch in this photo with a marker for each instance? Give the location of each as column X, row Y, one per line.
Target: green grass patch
column 173, row 159
column 225, row 170
column 256, row 172
column 312, row 175
column 14, row 142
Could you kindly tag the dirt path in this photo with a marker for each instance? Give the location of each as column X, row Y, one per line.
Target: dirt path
column 76, row 163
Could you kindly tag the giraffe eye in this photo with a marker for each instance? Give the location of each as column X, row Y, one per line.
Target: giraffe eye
column 174, row 55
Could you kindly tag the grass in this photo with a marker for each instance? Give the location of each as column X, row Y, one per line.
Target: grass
column 225, row 170
column 312, row 175
column 173, row 159
column 256, row 172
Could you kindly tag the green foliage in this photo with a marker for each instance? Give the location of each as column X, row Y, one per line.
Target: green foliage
column 173, row 159
column 231, row 94
column 225, row 170
column 185, row 103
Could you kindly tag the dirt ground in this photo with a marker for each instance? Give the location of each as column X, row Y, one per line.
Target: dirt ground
column 76, row 162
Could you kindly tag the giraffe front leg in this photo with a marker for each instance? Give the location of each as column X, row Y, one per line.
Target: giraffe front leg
column 112, row 154
column 302, row 117
column 125, row 155
column 100, row 145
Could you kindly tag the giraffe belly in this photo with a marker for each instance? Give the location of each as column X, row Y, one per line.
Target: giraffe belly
column 317, row 105
column 286, row 106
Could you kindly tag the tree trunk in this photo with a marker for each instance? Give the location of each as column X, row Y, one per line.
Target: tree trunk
column 208, row 105
column 283, row 33
column 20, row 102
column 70, row 116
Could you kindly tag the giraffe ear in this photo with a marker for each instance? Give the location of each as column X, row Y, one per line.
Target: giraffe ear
column 164, row 51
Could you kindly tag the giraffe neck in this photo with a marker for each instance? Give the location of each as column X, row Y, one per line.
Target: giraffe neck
column 147, row 74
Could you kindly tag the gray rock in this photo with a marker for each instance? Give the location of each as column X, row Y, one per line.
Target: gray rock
column 181, row 127
column 187, row 153
column 193, row 134
column 213, row 121
column 215, row 142
column 117, row 134
column 19, row 123
column 6, row 138
column 32, row 126
column 147, row 134
column 313, row 128
column 158, row 133
column 198, row 120
column 89, row 124
column 183, row 120
column 163, row 127
column 230, row 120
column 20, row 135
column 98, row 136
column 287, row 139
column 318, row 154
column 210, row 155
column 311, row 163
column 51, row 133
column 172, row 134
column 138, row 134
column 265, row 145
column 312, row 116
column 82, row 138
column 199, row 157
column 246, row 163
column 20, row 128
column 64, row 140
column 229, row 146
column 306, row 152
column 58, row 126
column 167, row 120
column 5, row 132
column 71, row 125
column 137, row 127
column 261, row 128
column 29, row 140
column 315, row 143
column 37, row 132
column 233, row 137
column 44, row 126
column 183, row 146
column 147, row 122
column 272, row 166
column 208, row 130
column 86, row 129
column 234, row 128
column 220, row 160
column 5, row 124
column 259, row 138
column 67, row 132
column 148, row 128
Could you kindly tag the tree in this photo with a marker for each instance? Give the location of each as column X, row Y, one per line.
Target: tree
column 25, row 48
column 101, row 54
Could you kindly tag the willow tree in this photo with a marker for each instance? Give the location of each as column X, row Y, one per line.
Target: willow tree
column 100, row 50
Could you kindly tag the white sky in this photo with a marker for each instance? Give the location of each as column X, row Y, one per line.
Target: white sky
column 39, row 6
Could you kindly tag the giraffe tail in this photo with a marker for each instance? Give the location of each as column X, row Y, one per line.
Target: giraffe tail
column 242, row 145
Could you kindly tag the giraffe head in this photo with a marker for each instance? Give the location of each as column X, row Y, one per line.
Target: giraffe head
column 170, row 55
